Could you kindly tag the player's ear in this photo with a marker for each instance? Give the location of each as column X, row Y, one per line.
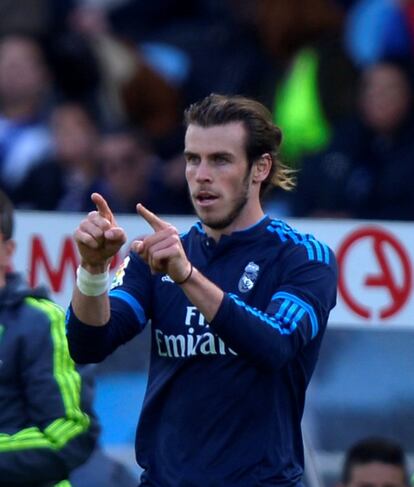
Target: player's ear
column 261, row 168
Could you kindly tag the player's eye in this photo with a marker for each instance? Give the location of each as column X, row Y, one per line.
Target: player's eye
column 192, row 159
column 221, row 159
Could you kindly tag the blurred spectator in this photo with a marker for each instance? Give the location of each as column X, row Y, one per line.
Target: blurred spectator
column 315, row 83
column 375, row 462
column 127, row 165
column 140, row 62
column 132, row 173
column 298, row 22
column 367, row 171
column 66, row 179
column 76, row 72
column 130, row 89
column 170, row 191
column 24, row 91
column 184, row 50
column 221, row 50
column 377, row 29
column 74, row 68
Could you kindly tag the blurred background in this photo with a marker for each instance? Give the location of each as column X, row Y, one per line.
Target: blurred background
column 91, row 99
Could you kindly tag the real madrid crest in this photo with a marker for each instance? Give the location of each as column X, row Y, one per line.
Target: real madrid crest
column 249, row 277
column 120, row 273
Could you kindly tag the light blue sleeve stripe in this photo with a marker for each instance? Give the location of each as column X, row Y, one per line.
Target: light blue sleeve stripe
column 292, row 310
column 309, row 249
column 299, row 314
column 307, row 307
column 132, row 302
column 318, row 250
column 269, row 320
column 282, row 309
column 281, row 235
column 293, row 236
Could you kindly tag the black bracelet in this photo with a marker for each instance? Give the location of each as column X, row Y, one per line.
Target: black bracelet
column 187, row 278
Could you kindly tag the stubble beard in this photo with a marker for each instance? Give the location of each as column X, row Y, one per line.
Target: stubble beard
column 238, row 205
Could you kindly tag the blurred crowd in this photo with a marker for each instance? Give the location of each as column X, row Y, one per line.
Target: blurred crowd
column 92, row 95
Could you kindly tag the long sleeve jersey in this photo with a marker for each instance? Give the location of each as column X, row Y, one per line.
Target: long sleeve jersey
column 224, row 399
column 46, row 423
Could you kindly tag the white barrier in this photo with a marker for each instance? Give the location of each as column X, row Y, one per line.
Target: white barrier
column 375, row 261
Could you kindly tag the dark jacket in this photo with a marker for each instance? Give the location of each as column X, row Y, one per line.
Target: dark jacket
column 47, row 427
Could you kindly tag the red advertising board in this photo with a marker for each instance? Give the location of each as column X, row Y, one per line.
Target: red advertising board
column 375, row 262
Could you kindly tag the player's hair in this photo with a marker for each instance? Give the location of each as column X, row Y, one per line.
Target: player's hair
column 371, row 450
column 262, row 135
column 6, row 216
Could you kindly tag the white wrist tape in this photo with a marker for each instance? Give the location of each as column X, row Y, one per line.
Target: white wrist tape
column 91, row 284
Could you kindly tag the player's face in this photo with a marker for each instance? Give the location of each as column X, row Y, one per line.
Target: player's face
column 376, row 474
column 218, row 176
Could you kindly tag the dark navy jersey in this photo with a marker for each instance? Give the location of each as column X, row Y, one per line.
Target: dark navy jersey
column 224, row 399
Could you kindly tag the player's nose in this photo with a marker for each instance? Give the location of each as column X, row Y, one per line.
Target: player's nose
column 203, row 172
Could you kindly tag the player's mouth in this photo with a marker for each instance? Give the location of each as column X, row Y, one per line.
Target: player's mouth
column 205, row 198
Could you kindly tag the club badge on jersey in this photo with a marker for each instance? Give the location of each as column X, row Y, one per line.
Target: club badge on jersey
column 249, row 277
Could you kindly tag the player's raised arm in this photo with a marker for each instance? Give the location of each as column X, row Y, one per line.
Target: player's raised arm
column 164, row 252
column 98, row 239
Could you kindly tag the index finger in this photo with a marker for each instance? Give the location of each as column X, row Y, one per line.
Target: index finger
column 102, row 207
column 151, row 218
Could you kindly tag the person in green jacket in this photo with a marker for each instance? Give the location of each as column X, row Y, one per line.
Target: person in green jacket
column 47, row 425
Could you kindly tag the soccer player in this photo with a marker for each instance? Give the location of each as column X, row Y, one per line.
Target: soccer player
column 238, row 308
column 375, row 462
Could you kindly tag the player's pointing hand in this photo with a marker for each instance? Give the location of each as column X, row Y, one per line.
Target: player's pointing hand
column 155, row 221
column 98, row 237
column 162, row 250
